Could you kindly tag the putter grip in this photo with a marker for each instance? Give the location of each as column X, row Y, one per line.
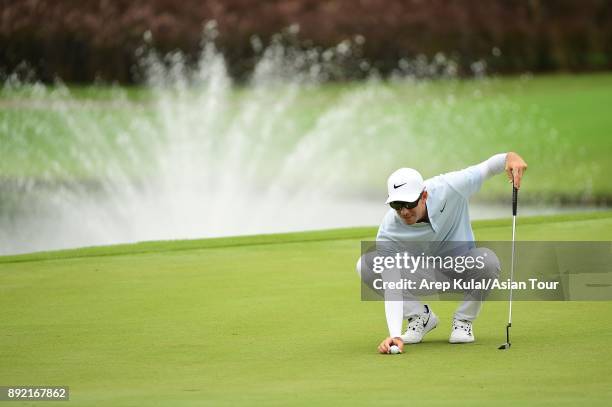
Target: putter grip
column 514, row 200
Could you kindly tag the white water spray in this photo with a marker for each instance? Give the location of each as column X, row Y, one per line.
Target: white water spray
column 200, row 157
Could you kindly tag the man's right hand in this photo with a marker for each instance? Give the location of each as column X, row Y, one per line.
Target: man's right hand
column 388, row 342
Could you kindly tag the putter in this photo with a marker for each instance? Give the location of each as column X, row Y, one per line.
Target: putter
column 514, row 205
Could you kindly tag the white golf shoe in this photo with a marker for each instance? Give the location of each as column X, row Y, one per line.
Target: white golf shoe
column 462, row 332
column 419, row 325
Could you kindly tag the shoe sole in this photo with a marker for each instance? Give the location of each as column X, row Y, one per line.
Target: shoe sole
column 461, row 341
column 433, row 318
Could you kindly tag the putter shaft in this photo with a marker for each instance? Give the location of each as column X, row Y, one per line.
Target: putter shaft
column 514, row 210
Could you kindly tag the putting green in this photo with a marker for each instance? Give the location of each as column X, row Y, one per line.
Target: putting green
column 277, row 320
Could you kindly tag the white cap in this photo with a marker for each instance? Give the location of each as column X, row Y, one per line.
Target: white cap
column 405, row 185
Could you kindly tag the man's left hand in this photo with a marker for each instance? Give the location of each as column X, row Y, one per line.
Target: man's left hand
column 515, row 168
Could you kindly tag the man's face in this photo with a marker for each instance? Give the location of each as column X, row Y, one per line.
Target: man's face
column 412, row 216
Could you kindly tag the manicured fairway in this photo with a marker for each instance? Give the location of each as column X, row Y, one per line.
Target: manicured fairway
column 277, row 320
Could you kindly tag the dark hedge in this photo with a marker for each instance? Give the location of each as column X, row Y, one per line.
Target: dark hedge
column 81, row 40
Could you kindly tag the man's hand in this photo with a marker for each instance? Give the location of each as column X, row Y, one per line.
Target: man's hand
column 515, row 168
column 388, row 342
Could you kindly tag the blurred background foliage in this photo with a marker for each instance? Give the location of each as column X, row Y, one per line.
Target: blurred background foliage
column 83, row 41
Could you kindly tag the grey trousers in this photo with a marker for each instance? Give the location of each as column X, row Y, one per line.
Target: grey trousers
column 473, row 299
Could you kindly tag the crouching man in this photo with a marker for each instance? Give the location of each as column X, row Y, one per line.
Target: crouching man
column 435, row 211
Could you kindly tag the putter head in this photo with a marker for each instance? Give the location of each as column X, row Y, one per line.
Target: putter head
column 507, row 344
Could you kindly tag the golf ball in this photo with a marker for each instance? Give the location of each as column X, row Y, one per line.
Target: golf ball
column 394, row 349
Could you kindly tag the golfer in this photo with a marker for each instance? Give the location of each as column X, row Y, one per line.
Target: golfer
column 436, row 210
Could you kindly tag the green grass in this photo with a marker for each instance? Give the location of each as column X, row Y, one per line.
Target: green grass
column 560, row 124
column 277, row 320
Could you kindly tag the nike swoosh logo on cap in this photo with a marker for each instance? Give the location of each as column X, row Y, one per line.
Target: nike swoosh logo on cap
column 444, row 207
column 397, row 186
